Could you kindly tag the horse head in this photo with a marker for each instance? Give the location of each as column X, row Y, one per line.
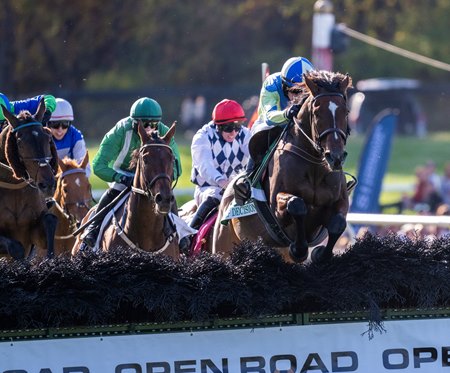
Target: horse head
column 30, row 150
column 326, row 110
column 73, row 189
column 154, row 163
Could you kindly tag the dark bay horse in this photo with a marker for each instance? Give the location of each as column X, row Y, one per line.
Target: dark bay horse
column 28, row 164
column 73, row 199
column 142, row 222
column 304, row 183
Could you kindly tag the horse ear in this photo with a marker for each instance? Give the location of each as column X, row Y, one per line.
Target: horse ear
column 169, row 134
column 84, row 163
column 10, row 117
column 12, row 156
column 61, row 165
column 143, row 134
column 314, row 89
column 346, row 83
column 39, row 115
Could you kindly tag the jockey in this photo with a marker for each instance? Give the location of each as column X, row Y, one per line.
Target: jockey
column 274, row 109
column 30, row 104
column 68, row 139
column 219, row 152
column 111, row 163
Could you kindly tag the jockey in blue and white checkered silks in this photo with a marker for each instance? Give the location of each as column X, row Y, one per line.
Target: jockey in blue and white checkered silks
column 219, row 152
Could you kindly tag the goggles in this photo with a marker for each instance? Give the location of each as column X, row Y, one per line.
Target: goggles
column 63, row 124
column 228, row 128
column 152, row 123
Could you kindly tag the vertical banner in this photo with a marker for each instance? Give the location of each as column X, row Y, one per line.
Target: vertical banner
column 373, row 163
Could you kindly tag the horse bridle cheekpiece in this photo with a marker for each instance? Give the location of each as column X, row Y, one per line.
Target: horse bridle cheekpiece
column 334, row 129
column 148, row 185
column 41, row 161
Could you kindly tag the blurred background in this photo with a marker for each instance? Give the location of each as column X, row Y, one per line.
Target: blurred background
column 188, row 55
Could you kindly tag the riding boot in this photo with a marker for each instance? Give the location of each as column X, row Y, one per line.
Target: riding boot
column 91, row 232
column 202, row 212
column 242, row 187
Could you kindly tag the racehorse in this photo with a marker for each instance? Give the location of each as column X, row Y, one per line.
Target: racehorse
column 304, row 183
column 28, row 164
column 73, row 199
column 142, row 222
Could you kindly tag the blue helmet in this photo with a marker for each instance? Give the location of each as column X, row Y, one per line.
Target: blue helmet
column 293, row 69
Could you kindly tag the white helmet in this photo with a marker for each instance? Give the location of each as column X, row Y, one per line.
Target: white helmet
column 63, row 111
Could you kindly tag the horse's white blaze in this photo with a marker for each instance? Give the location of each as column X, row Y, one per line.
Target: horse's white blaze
column 78, row 182
column 35, row 133
column 332, row 106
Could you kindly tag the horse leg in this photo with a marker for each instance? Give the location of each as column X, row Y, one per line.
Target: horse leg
column 336, row 226
column 12, row 247
column 296, row 207
column 49, row 222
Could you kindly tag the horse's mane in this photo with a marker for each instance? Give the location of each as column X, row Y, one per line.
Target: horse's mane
column 327, row 79
column 70, row 163
column 153, row 139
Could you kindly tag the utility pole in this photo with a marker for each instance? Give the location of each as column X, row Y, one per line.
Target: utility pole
column 323, row 24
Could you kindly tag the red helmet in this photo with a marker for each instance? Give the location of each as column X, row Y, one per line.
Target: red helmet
column 227, row 111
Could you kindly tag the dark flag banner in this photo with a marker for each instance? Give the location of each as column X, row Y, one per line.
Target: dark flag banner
column 373, row 163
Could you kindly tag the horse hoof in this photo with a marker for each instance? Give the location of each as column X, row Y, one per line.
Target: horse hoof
column 320, row 254
column 296, row 257
column 296, row 206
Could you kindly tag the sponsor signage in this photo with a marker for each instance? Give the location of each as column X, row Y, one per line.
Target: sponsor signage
column 406, row 346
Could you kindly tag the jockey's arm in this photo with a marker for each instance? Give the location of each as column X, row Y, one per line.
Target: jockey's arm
column 270, row 109
column 202, row 159
column 31, row 104
column 108, row 153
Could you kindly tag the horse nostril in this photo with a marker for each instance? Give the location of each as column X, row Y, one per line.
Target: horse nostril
column 158, row 198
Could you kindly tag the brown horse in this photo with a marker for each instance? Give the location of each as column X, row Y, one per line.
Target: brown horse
column 142, row 223
column 304, row 183
column 73, row 199
column 28, row 163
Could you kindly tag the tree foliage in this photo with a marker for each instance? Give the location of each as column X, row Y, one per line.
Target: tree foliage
column 126, row 43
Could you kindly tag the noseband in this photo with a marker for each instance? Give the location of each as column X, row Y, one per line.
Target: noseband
column 149, row 185
column 319, row 137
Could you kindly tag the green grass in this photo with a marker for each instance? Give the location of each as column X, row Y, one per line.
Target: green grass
column 407, row 153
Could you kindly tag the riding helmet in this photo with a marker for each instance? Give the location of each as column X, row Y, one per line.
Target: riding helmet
column 146, row 108
column 227, row 111
column 293, row 69
column 63, row 111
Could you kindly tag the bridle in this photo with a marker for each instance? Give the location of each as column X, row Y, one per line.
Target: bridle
column 318, row 137
column 85, row 203
column 41, row 161
column 147, row 191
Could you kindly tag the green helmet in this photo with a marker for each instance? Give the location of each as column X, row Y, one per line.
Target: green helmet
column 146, row 108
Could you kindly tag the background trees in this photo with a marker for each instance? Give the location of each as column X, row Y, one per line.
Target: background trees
column 103, row 54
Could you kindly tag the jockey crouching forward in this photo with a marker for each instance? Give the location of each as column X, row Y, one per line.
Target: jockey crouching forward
column 111, row 163
column 274, row 109
column 219, row 152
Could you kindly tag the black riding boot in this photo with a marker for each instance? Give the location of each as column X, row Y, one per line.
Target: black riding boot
column 242, row 187
column 202, row 212
column 91, row 231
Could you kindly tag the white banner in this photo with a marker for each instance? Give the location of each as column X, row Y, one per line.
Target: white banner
column 407, row 346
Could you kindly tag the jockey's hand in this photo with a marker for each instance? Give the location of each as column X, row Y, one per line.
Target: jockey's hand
column 222, row 183
column 291, row 112
column 125, row 180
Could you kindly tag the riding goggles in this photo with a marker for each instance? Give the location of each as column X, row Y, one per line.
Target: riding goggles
column 152, row 123
column 228, row 128
column 59, row 124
